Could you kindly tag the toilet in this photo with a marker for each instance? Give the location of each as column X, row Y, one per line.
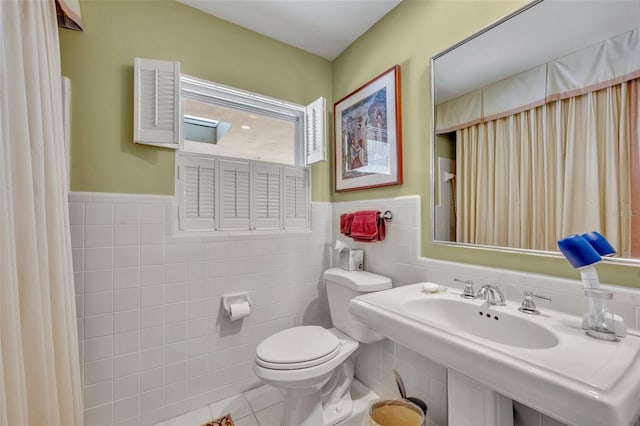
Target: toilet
column 314, row 366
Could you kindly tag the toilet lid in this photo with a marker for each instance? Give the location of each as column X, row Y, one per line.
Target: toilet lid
column 297, row 347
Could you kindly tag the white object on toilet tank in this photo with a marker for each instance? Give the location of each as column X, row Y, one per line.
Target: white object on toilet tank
column 352, row 260
column 349, row 259
column 342, row 286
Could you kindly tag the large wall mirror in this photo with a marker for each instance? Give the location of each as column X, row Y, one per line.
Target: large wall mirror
column 536, row 127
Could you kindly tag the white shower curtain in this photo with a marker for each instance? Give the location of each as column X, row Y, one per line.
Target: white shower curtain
column 39, row 365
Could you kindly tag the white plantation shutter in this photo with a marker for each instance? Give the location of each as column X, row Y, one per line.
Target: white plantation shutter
column 234, row 193
column 216, row 193
column 296, row 196
column 197, row 191
column 267, row 197
column 156, row 103
column 315, row 131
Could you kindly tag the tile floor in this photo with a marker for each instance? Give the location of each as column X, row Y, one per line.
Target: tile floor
column 262, row 406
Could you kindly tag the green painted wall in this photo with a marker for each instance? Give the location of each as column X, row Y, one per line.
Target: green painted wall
column 409, row 35
column 99, row 62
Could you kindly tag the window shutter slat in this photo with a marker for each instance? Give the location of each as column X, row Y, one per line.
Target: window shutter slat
column 296, row 197
column 315, row 131
column 207, row 192
column 191, row 190
column 267, row 196
column 156, row 102
column 235, row 195
column 248, row 195
column 197, row 193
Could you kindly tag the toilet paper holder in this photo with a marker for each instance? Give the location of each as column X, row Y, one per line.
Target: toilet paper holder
column 232, row 298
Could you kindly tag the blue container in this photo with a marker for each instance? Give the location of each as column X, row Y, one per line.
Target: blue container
column 578, row 251
column 599, row 243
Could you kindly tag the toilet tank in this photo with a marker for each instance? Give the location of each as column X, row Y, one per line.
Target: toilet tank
column 342, row 286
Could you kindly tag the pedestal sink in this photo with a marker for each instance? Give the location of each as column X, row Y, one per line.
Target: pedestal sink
column 544, row 361
column 481, row 321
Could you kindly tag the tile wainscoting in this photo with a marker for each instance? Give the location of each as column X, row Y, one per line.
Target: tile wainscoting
column 154, row 343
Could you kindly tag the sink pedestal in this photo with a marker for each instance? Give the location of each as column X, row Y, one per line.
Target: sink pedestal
column 473, row 403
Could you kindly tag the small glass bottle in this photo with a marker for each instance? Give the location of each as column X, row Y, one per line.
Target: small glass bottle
column 600, row 320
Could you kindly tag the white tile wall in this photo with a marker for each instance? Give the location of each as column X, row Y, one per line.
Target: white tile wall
column 154, row 344
column 398, row 257
column 153, row 341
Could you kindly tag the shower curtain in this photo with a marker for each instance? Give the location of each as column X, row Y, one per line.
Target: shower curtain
column 39, row 365
column 527, row 179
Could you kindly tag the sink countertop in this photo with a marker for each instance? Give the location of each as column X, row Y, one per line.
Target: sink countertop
column 580, row 380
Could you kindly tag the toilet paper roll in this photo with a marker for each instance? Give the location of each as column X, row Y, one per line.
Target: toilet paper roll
column 238, row 311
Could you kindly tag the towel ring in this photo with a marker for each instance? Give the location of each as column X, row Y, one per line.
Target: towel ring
column 387, row 216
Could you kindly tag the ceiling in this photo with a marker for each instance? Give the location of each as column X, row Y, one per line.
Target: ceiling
column 538, row 35
column 322, row 27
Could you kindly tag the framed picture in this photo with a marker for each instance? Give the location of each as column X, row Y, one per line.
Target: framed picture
column 368, row 135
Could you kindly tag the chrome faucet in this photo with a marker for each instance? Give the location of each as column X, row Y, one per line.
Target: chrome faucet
column 468, row 292
column 529, row 306
column 491, row 294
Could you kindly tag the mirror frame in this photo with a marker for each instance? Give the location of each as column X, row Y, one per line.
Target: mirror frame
column 432, row 184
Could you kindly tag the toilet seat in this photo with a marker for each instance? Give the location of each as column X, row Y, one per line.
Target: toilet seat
column 297, row 347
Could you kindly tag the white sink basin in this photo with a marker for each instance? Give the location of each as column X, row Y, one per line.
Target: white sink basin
column 544, row 361
column 462, row 316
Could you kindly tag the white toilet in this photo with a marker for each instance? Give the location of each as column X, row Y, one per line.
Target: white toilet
column 313, row 365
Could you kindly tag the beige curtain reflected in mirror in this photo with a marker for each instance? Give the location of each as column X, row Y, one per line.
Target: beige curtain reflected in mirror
column 528, row 179
column 39, row 365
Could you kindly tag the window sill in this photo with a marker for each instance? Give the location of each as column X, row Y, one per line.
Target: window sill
column 235, row 235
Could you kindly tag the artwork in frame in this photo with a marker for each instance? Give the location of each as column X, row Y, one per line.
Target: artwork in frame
column 368, row 135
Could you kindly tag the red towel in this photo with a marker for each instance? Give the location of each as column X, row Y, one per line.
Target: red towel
column 345, row 223
column 368, row 226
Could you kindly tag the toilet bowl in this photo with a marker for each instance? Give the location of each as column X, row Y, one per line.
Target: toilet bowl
column 314, row 366
column 303, row 375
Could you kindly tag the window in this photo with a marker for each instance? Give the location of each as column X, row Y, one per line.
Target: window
column 226, row 131
column 241, row 158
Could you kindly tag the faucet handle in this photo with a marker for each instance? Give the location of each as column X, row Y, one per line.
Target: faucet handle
column 529, row 305
column 468, row 292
